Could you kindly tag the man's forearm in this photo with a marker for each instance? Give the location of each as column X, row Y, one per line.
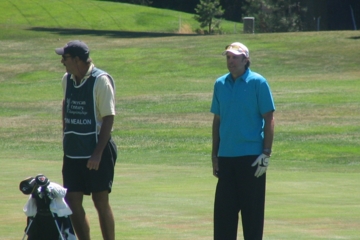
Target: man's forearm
column 269, row 130
column 104, row 135
column 215, row 135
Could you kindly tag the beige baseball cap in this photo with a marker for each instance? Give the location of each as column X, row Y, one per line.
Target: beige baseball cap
column 237, row 49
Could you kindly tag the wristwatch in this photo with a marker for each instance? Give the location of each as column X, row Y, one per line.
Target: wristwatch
column 267, row 151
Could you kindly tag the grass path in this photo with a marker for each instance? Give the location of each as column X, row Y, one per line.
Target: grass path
column 175, row 202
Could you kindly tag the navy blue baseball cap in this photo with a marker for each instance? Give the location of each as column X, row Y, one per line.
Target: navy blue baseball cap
column 74, row 48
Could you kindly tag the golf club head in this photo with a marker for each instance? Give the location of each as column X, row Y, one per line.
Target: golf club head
column 42, row 180
column 27, row 185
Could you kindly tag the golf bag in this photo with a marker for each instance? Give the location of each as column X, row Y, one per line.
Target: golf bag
column 46, row 210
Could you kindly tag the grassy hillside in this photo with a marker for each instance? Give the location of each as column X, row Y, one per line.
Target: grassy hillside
column 98, row 15
column 163, row 185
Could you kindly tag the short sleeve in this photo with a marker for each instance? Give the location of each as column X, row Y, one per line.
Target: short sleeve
column 105, row 96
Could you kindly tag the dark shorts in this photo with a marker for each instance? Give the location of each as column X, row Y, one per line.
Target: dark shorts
column 78, row 178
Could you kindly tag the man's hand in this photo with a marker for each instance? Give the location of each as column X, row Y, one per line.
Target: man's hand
column 215, row 165
column 262, row 162
column 93, row 162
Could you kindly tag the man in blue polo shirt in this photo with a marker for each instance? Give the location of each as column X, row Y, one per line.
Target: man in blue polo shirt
column 242, row 137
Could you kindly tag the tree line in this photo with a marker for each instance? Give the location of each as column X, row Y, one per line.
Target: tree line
column 233, row 8
column 270, row 15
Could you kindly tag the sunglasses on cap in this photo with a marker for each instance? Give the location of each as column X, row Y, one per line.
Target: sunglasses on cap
column 235, row 48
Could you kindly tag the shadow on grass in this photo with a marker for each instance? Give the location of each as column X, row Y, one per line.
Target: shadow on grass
column 355, row 37
column 109, row 33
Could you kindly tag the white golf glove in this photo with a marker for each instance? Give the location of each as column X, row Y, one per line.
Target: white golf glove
column 50, row 192
column 262, row 162
column 55, row 190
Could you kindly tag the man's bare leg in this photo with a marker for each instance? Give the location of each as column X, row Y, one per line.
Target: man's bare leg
column 78, row 217
column 106, row 217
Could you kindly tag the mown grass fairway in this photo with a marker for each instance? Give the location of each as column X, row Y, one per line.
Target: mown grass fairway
column 163, row 187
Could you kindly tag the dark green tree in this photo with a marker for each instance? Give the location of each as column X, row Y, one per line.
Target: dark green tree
column 233, row 9
column 275, row 15
column 206, row 13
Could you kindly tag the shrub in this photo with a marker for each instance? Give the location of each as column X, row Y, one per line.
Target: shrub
column 275, row 15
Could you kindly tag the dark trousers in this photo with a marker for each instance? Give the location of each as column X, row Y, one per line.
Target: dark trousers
column 238, row 190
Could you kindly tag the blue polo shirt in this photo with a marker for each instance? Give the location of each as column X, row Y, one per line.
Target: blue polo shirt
column 240, row 105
